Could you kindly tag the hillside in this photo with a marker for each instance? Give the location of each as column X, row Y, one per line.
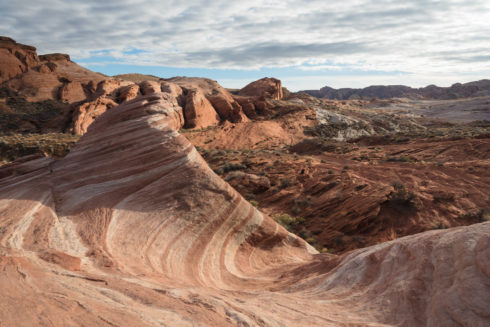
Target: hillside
column 455, row 91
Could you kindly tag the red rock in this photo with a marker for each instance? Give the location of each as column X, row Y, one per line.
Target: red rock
column 222, row 101
column 149, row 87
column 198, row 111
column 15, row 58
column 129, row 92
column 88, row 112
column 72, row 92
column 110, row 87
column 46, row 68
column 266, row 87
column 161, row 239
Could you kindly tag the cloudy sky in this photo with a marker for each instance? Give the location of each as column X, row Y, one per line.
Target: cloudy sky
column 307, row 44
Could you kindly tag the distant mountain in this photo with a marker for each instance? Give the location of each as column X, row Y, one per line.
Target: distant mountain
column 455, row 91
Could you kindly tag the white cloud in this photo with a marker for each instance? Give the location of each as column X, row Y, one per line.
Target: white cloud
column 422, row 37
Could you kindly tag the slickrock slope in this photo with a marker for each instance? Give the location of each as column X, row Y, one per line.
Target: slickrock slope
column 133, row 229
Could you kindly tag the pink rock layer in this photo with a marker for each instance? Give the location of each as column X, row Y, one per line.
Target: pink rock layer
column 132, row 228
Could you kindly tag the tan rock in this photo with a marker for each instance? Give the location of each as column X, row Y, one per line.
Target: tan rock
column 266, row 87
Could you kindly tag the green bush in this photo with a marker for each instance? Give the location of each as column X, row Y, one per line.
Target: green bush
column 402, row 197
column 287, row 221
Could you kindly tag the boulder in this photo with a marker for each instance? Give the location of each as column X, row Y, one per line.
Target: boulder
column 266, row 87
column 127, row 93
column 198, row 111
column 249, row 182
column 87, row 113
column 150, row 87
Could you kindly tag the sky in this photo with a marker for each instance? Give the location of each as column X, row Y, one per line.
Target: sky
column 306, row 44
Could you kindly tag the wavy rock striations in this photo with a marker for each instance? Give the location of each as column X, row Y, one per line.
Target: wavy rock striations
column 133, row 229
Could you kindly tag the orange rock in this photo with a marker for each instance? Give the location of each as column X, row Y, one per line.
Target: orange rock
column 149, row 87
column 198, row 111
column 72, row 92
column 15, row 58
column 222, row 100
column 266, row 87
column 86, row 114
column 129, row 92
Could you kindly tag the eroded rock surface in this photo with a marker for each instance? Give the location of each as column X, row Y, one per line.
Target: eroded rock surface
column 266, row 87
column 133, row 229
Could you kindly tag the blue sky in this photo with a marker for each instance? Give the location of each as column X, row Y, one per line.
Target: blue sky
column 306, row 44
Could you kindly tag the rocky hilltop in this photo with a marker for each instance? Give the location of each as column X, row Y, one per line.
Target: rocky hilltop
column 455, row 91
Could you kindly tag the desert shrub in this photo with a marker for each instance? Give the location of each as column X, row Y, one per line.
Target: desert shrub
column 254, row 203
column 227, row 167
column 479, row 215
column 438, row 198
column 401, row 196
column 303, row 202
column 440, row 225
column 286, row 182
column 287, row 221
column 400, row 159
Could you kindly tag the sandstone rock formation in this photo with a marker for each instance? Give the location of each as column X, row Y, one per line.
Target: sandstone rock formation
column 47, row 77
column 198, row 111
column 133, row 229
column 222, row 101
column 266, row 87
column 15, row 58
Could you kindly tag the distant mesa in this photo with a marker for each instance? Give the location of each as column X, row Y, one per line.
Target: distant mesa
column 456, row 91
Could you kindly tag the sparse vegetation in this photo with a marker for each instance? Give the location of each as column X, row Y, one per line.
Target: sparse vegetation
column 286, row 182
column 18, row 145
column 402, row 196
column 479, row 215
column 287, row 221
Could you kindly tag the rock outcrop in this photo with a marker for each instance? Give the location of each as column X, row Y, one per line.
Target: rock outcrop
column 198, row 111
column 132, row 228
column 266, row 87
column 222, row 100
column 15, row 58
